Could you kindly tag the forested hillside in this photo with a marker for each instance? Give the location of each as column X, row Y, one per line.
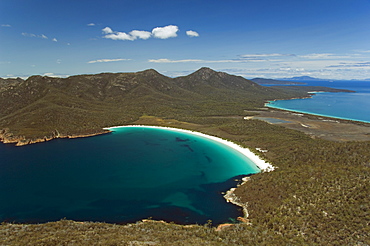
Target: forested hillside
column 43, row 107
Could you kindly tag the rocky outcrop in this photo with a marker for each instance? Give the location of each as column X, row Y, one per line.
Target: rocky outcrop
column 231, row 197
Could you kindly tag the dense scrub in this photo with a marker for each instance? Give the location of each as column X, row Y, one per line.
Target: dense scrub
column 39, row 106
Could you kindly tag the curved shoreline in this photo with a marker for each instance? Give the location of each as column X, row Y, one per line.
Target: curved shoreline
column 311, row 113
column 230, row 195
column 261, row 164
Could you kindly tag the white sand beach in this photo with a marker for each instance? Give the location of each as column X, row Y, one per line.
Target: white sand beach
column 261, row 164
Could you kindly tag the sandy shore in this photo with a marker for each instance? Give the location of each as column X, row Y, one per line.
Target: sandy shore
column 261, row 164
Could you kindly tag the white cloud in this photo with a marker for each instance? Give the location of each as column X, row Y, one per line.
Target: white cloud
column 34, row 35
column 52, row 75
column 191, row 33
column 28, row 34
column 263, row 56
column 108, row 60
column 351, row 65
column 165, row 32
column 140, row 34
column 56, row 75
column 133, row 35
column 48, row 74
column 119, row 36
column 91, row 24
column 324, row 56
column 283, row 65
column 6, row 25
column 165, row 60
column 55, row 40
column 107, row 30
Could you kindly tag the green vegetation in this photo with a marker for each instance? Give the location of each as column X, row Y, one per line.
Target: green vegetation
column 318, row 195
column 40, row 106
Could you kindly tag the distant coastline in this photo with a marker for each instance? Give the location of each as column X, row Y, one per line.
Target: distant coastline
column 325, row 103
column 269, row 105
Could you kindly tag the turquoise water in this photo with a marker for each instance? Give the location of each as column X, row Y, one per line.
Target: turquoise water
column 343, row 105
column 127, row 175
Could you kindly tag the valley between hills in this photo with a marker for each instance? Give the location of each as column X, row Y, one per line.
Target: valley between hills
column 318, row 195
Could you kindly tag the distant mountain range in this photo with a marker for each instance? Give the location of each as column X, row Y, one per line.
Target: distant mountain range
column 307, row 78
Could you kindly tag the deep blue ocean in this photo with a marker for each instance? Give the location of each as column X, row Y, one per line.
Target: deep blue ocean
column 344, row 105
column 124, row 176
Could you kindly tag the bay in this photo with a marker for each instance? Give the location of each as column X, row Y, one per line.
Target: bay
column 124, row 176
column 344, row 105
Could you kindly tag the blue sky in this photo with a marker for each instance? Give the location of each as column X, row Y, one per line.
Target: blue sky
column 264, row 38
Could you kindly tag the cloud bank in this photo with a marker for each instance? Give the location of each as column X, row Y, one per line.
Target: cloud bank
column 281, row 65
column 165, row 32
column 108, row 60
column 165, row 60
column 42, row 36
column 34, row 35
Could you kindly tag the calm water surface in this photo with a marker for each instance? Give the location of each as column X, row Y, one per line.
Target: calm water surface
column 130, row 174
column 350, row 106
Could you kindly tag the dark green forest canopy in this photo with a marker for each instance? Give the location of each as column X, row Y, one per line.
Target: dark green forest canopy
column 318, row 195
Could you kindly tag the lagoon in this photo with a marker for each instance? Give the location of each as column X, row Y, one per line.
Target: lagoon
column 130, row 174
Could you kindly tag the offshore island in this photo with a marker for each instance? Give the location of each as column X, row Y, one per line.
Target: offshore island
column 317, row 194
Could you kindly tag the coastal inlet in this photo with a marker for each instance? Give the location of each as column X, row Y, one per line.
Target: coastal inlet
column 129, row 174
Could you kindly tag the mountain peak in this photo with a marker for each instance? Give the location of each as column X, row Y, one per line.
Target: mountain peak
column 205, row 70
column 204, row 73
column 149, row 72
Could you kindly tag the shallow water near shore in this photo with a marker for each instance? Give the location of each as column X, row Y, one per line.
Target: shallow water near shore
column 124, row 176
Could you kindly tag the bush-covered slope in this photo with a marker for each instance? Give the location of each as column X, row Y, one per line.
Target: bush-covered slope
column 40, row 106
